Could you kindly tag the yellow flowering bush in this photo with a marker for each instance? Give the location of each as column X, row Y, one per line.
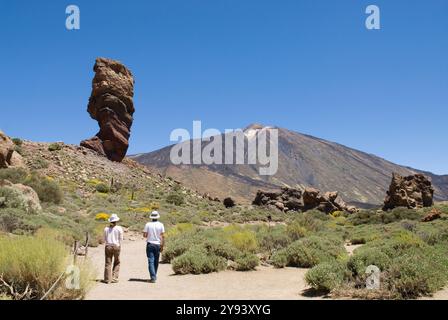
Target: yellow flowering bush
column 102, row 216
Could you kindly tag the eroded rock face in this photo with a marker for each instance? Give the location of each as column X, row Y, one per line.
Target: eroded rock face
column 111, row 104
column 289, row 199
column 413, row 191
column 8, row 156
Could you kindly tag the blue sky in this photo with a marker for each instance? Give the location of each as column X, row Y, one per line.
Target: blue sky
column 310, row 66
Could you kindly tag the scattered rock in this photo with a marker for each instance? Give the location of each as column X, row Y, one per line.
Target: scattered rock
column 432, row 215
column 228, row 202
column 111, row 104
column 414, row 191
column 289, row 199
column 8, row 156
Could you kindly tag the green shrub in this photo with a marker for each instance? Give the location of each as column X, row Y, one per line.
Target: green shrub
column 364, row 257
column 245, row 241
column 102, row 188
column 25, row 262
column 54, row 147
column 220, row 248
column 14, row 175
column 175, row 198
column 296, row 231
column 308, row 252
column 280, row 258
column 247, row 262
column 39, row 163
column 17, row 141
column 418, row 272
column 47, row 189
column 270, row 239
column 326, row 276
column 196, row 261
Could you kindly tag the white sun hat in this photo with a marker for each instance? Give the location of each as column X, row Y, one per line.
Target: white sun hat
column 114, row 218
column 154, row 215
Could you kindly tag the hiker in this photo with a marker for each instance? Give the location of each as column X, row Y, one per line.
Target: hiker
column 113, row 236
column 154, row 234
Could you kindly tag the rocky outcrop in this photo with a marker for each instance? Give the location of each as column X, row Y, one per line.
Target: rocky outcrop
column 8, row 156
column 289, row 199
column 19, row 195
column 432, row 215
column 414, row 191
column 228, row 202
column 111, row 104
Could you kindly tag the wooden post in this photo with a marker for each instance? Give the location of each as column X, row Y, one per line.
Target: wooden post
column 87, row 242
column 75, row 251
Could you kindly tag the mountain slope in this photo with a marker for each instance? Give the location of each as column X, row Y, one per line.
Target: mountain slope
column 303, row 161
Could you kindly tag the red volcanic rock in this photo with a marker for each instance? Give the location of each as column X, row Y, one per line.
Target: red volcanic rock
column 111, row 104
column 289, row 199
column 413, row 191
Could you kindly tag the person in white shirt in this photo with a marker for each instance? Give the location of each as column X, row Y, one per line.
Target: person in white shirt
column 154, row 233
column 113, row 237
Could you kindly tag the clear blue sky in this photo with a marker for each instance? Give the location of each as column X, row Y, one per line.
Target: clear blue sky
column 310, row 66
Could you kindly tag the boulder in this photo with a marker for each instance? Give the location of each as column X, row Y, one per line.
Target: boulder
column 432, row 215
column 111, row 104
column 414, row 191
column 8, row 156
column 19, row 195
column 228, row 202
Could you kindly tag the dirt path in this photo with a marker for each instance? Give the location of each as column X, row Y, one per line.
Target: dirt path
column 265, row 283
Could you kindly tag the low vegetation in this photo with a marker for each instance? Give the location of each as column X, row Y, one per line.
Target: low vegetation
column 203, row 236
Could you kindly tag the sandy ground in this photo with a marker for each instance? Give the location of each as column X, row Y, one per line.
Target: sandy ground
column 265, row 283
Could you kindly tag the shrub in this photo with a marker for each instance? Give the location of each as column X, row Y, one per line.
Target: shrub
column 196, row 261
column 176, row 247
column 280, row 258
column 17, row 141
column 175, row 198
column 12, row 198
column 326, row 276
column 25, row 262
column 102, row 216
column 15, row 175
column 418, row 272
column 364, row 257
column 309, row 252
column 54, row 147
column 247, row 262
column 245, row 241
column 296, row 231
column 220, row 248
column 47, row 189
column 102, row 188
column 270, row 239
column 39, row 163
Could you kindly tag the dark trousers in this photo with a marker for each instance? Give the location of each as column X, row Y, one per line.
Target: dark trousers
column 153, row 254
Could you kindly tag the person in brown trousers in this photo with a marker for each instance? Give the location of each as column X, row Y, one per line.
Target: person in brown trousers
column 113, row 237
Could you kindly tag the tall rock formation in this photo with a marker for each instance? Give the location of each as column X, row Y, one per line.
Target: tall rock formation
column 111, row 104
column 414, row 191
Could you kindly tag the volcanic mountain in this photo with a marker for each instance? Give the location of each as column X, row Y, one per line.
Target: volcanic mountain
column 303, row 161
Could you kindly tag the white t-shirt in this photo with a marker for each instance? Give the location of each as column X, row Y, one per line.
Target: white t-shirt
column 154, row 231
column 113, row 236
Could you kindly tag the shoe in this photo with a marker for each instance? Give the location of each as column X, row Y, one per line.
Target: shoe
column 115, row 281
column 105, row 282
column 152, row 281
